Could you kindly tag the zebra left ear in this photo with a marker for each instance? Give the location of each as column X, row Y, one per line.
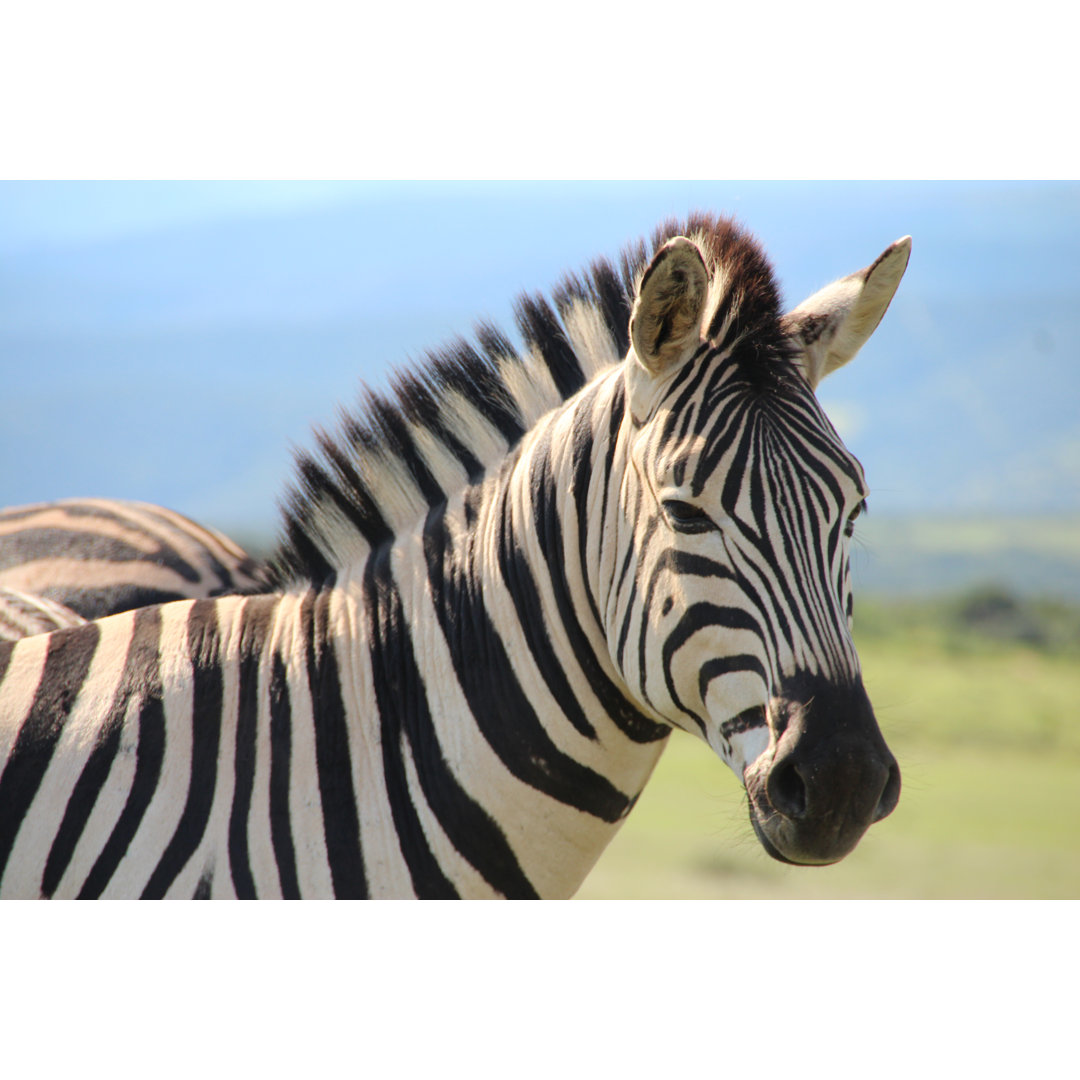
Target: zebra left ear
column 833, row 325
column 666, row 321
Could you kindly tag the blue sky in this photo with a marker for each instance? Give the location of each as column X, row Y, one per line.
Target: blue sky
column 62, row 213
column 169, row 341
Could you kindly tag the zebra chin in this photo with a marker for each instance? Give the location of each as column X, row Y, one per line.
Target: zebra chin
column 826, row 777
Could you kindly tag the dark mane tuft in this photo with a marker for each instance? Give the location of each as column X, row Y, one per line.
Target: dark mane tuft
column 746, row 317
column 448, row 420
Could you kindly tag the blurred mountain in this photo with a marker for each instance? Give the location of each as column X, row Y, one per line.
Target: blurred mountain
column 914, row 556
column 177, row 363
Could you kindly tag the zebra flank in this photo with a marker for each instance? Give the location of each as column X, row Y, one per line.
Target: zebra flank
column 98, row 557
column 498, row 589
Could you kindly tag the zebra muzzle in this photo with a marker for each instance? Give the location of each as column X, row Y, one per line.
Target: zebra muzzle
column 826, row 776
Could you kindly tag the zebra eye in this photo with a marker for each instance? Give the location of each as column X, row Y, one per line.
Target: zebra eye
column 849, row 526
column 687, row 518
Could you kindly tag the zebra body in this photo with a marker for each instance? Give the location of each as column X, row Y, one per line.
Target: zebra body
column 492, row 605
column 23, row 614
column 247, row 796
column 101, row 556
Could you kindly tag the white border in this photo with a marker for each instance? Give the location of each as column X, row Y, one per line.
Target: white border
column 562, row 91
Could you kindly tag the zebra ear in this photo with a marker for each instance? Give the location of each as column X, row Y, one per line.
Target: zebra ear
column 666, row 321
column 833, row 325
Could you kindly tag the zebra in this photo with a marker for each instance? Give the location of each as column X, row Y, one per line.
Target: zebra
column 23, row 614
column 500, row 586
column 97, row 557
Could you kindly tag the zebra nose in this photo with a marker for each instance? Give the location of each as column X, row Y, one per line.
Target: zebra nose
column 786, row 790
column 891, row 795
column 789, row 791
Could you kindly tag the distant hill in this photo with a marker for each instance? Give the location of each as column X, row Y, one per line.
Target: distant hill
column 922, row 556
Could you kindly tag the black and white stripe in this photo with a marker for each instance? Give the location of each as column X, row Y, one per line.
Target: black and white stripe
column 23, row 614
column 98, row 557
column 497, row 593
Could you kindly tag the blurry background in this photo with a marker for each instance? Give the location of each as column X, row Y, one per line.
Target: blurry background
column 170, row 342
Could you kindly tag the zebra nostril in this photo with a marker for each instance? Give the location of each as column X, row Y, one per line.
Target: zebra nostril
column 787, row 790
column 890, row 796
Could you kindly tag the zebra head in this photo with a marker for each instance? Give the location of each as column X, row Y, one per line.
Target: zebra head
column 731, row 614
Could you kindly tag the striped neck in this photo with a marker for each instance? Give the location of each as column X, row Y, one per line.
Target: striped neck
column 515, row 714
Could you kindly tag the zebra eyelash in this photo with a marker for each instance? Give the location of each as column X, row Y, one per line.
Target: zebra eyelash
column 684, row 517
column 849, row 525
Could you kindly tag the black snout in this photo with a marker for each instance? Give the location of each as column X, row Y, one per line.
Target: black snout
column 789, row 795
column 827, row 777
column 786, row 789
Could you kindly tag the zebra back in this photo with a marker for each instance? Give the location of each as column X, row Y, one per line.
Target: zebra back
column 98, row 557
column 23, row 614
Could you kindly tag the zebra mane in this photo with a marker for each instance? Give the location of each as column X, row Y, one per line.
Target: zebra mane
column 459, row 412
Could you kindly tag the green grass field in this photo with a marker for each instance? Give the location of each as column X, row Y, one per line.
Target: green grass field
column 986, row 727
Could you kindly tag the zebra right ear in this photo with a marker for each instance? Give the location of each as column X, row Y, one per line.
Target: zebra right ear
column 666, row 322
column 831, row 326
